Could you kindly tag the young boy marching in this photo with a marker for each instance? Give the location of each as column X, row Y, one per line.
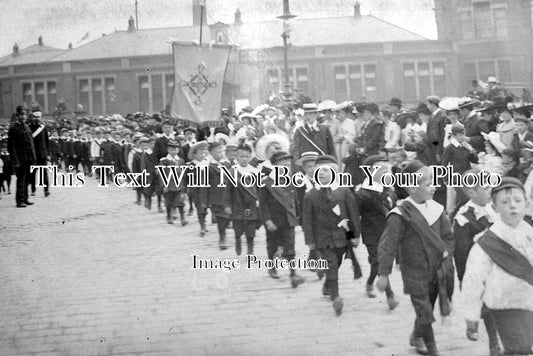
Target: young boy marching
column 279, row 215
column 420, row 231
column 499, row 272
column 374, row 202
column 329, row 213
column 471, row 219
column 200, row 195
column 216, row 193
column 241, row 202
column 174, row 193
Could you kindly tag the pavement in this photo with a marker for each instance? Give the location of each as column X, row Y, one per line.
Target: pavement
column 85, row 271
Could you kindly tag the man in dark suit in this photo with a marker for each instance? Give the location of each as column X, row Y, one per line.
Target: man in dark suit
column 330, row 219
column 435, row 129
column 523, row 138
column 313, row 136
column 22, row 152
column 373, row 138
column 41, row 144
column 474, row 126
column 279, row 215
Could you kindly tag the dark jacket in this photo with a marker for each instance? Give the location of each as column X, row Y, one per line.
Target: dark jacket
column 459, row 157
column 243, row 202
column 373, row 137
column 435, row 132
column 474, row 126
column 216, row 193
column 278, row 204
column 374, row 207
column 518, row 145
column 41, row 141
column 320, row 221
column 321, row 138
column 161, row 147
column 419, row 260
column 20, row 144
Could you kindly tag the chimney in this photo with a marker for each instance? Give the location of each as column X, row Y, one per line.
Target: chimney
column 238, row 20
column 131, row 24
column 70, row 45
column 357, row 9
column 40, row 41
column 198, row 13
column 16, row 50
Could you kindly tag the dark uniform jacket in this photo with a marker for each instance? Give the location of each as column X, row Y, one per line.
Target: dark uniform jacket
column 199, row 195
column 418, row 258
column 243, row 201
column 41, row 141
column 321, row 138
column 278, row 204
column 323, row 210
column 469, row 221
column 20, row 144
column 216, row 193
column 373, row 137
column 54, row 146
column 161, row 147
column 459, row 157
column 474, row 126
column 374, row 207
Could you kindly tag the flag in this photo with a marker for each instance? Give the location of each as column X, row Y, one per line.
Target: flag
column 86, row 36
column 199, row 78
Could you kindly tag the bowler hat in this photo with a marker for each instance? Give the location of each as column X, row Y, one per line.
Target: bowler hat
column 396, row 101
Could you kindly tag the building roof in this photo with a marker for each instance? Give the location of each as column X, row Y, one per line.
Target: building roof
column 32, row 54
column 254, row 35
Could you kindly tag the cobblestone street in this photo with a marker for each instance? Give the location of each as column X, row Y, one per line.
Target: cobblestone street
column 87, row 272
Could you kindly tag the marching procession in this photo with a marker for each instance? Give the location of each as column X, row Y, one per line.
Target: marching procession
column 482, row 232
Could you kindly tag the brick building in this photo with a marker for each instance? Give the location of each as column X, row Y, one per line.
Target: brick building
column 351, row 57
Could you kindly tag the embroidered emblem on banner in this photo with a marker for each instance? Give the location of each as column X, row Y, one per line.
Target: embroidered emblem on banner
column 199, row 84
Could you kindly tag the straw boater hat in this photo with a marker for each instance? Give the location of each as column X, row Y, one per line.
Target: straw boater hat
column 195, row 147
column 222, row 137
column 327, row 105
column 265, row 141
column 306, row 157
column 310, row 107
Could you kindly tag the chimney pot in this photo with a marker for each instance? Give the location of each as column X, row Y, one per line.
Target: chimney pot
column 131, row 24
column 16, row 50
column 40, row 41
column 357, row 9
column 238, row 17
column 70, row 45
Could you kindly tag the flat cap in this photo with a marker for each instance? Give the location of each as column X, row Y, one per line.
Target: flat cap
column 508, row 182
column 413, row 166
column 457, row 128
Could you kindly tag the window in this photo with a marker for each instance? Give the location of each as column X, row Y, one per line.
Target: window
column 43, row 93
column 97, row 95
column 421, row 79
column 483, row 20
column 220, row 37
column 481, row 70
column 467, row 25
column 355, row 81
column 155, row 91
column 298, row 77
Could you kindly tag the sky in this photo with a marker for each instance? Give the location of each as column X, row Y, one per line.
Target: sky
column 64, row 21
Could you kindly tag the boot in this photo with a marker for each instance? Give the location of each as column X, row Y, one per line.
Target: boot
column 138, row 201
column 238, row 247
column 337, row 305
column 296, row 280
column 222, row 242
column 432, row 349
column 325, row 288
column 320, row 273
column 370, row 291
column 392, row 302
column 182, row 216
column 250, row 245
column 170, row 220
column 148, row 203
column 419, row 344
column 273, row 273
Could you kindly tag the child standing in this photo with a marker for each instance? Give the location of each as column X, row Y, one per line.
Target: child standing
column 419, row 227
column 198, row 158
column 241, row 203
column 473, row 218
column 174, row 193
column 499, row 271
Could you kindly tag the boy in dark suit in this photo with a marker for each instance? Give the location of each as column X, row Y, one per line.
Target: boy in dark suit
column 279, row 215
column 419, row 227
column 173, row 192
column 241, row 202
column 330, row 219
column 216, row 193
column 374, row 202
column 199, row 195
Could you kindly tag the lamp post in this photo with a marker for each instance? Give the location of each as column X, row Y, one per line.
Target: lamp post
column 287, row 92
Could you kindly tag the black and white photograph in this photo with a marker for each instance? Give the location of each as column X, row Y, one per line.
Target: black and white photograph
column 260, row 177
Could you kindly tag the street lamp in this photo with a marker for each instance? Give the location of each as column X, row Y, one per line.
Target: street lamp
column 287, row 92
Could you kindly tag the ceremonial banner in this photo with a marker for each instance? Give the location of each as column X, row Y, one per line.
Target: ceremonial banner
column 199, row 78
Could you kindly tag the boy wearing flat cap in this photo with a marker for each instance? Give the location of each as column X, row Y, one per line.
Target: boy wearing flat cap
column 279, row 214
column 199, row 195
column 419, row 227
column 174, row 193
column 374, row 202
column 330, row 220
column 499, row 272
column 216, row 193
